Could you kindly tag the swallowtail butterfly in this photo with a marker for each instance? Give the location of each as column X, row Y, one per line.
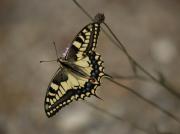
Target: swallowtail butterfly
column 80, row 71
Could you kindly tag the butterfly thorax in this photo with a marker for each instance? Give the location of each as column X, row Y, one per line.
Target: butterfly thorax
column 70, row 66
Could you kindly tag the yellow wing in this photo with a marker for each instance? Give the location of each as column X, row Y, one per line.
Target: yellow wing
column 84, row 42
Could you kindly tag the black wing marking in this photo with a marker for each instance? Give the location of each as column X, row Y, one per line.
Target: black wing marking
column 96, row 72
column 84, row 42
column 58, row 93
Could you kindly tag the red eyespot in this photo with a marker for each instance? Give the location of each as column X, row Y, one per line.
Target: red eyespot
column 93, row 80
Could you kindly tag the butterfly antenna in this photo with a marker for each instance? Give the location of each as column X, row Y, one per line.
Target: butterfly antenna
column 55, row 49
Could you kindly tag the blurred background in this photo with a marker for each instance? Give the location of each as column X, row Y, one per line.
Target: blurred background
column 150, row 31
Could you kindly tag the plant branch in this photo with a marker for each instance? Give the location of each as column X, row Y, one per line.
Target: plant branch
column 137, row 65
column 146, row 100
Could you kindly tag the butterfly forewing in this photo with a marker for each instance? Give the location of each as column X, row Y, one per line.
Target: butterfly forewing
column 84, row 42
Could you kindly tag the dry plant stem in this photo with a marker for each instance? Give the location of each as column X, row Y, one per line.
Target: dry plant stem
column 146, row 100
column 137, row 65
column 117, row 117
column 84, row 11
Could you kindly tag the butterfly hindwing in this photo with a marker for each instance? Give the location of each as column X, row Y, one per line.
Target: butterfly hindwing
column 96, row 72
column 84, row 42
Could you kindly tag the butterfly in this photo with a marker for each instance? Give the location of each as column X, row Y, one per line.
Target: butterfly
column 80, row 71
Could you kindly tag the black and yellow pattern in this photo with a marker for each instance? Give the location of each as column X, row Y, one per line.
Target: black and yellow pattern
column 84, row 42
column 80, row 74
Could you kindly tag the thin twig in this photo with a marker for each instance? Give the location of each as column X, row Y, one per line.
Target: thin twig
column 137, row 65
column 116, row 117
column 146, row 100
column 84, row 11
column 120, row 45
